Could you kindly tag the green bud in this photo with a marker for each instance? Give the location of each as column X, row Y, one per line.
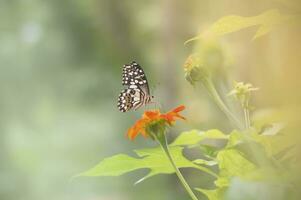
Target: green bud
column 156, row 129
column 194, row 70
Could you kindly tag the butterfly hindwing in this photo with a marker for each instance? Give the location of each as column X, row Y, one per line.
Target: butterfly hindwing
column 128, row 99
column 125, row 100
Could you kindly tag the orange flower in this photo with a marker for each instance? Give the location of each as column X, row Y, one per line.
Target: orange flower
column 154, row 117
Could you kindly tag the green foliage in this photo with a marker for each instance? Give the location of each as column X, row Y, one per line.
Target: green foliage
column 209, row 151
column 154, row 158
column 241, row 160
column 216, row 194
column 194, row 136
column 233, row 163
column 205, row 162
column 265, row 21
column 232, row 160
column 257, row 156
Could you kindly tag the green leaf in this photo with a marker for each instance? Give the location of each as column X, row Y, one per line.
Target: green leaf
column 232, row 23
column 235, row 138
column 278, row 144
column 222, row 182
column 263, row 119
column 216, row 194
column 275, row 133
column 233, row 163
column 205, row 162
column 209, row 151
column 114, row 166
column 194, row 136
column 153, row 159
column 272, row 129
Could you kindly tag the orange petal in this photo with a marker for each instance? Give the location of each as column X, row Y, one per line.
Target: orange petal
column 151, row 114
column 179, row 109
column 131, row 133
column 143, row 133
column 168, row 117
column 134, row 130
column 179, row 116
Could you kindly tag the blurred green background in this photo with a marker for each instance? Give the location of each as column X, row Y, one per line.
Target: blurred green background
column 60, row 75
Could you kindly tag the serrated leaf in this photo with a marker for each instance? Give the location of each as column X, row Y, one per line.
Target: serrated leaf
column 268, row 20
column 153, row 159
column 205, row 162
column 112, row 166
column 233, row 163
column 277, row 144
column 222, row 182
column 273, row 129
column 209, row 151
column 262, row 119
column 235, row 138
column 195, row 136
column 216, row 194
column 265, row 21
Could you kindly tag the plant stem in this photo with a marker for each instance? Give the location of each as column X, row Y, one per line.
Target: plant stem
column 218, row 100
column 247, row 114
column 164, row 145
column 247, row 118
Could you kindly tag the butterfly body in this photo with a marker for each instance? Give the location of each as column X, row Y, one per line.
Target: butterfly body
column 137, row 92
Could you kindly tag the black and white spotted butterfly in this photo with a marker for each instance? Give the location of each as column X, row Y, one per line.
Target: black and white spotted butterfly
column 137, row 92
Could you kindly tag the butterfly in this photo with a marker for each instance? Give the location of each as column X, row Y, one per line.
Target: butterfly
column 137, row 92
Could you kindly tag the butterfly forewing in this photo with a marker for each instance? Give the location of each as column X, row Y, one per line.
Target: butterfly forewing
column 133, row 74
column 137, row 93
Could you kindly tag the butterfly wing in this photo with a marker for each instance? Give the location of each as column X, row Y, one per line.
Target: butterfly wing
column 137, row 93
column 130, row 98
column 133, row 74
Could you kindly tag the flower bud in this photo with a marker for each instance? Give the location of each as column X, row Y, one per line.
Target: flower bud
column 209, row 60
column 156, row 129
column 194, row 71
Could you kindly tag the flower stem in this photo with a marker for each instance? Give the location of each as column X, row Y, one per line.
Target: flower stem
column 247, row 115
column 164, row 145
column 218, row 100
column 247, row 118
